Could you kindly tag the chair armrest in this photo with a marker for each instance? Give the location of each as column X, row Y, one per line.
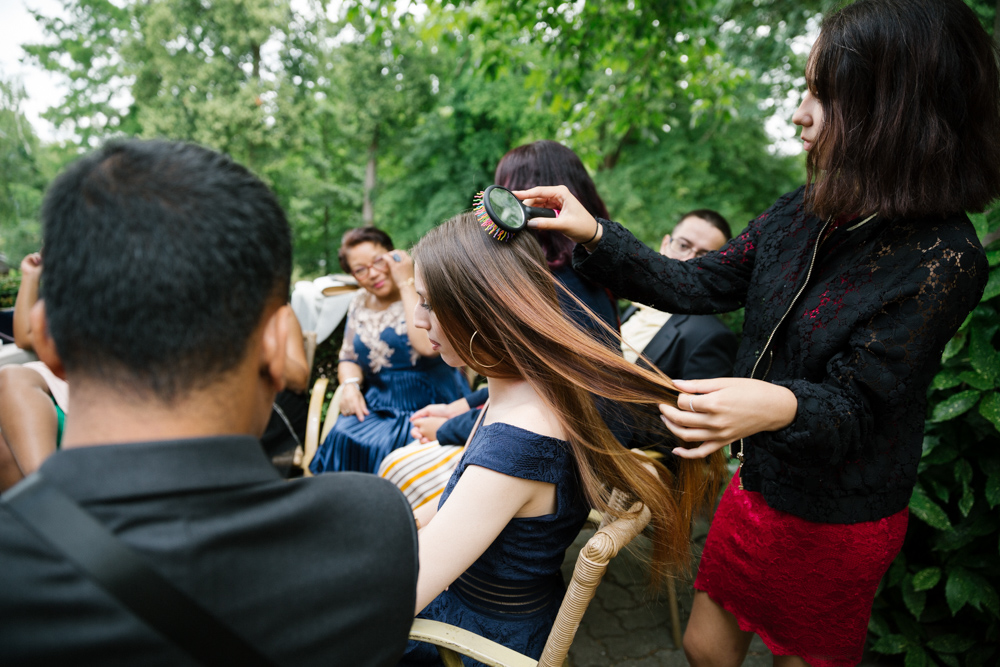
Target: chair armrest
column 311, row 442
column 12, row 354
column 467, row 643
column 309, row 344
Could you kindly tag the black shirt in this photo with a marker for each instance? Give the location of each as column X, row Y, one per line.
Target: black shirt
column 312, row 571
column 858, row 348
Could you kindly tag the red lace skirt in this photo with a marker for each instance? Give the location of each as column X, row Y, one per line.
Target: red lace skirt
column 805, row 588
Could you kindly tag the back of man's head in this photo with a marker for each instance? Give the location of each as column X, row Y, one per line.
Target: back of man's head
column 159, row 261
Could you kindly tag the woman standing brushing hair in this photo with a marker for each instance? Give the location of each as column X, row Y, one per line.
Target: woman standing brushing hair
column 550, row 163
column 491, row 550
column 852, row 286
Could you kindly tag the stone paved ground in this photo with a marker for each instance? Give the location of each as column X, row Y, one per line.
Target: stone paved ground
column 628, row 626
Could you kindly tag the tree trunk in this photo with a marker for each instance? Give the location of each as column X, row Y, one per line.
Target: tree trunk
column 255, row 55
column 611, row 160
column 326, row 240
column 368, row 209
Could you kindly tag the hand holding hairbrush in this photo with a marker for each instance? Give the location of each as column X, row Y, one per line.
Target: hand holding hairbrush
column 574, row 220
column 502, row 215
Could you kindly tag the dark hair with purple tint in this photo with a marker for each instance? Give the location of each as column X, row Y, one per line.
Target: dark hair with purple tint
column 550, row 163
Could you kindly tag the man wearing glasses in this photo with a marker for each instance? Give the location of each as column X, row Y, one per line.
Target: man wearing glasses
column 687, row 347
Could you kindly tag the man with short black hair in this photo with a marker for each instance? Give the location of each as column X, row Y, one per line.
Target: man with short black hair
column 685, row 347
column 164, row 304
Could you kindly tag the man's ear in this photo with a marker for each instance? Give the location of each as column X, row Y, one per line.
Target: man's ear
column 44, row 346
column 664, row 244
column 273, row 353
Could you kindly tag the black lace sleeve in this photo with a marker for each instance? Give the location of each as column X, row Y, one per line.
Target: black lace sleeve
column 890, row 358
column 715, row 283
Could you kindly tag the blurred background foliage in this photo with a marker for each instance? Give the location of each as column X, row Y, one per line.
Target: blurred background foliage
column 395, row 113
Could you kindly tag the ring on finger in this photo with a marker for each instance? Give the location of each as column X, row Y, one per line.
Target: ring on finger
column 691, row 403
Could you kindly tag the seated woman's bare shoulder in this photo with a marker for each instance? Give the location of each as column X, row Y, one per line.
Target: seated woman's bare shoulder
column 529, row 412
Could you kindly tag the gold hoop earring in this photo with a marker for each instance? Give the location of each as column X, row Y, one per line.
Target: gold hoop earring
column 472, row 354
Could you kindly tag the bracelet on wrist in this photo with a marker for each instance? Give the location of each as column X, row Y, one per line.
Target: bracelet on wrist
column 596, row 230
column 408, row 282
column 356, row 381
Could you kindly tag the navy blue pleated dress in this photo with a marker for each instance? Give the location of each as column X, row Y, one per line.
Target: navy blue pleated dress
column 397, row 383
column 511, row 594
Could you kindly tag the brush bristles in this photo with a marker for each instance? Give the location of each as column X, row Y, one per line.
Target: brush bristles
column 490, row 227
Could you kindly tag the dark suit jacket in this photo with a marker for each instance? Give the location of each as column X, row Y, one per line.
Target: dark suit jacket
column 318, row 571
column 691, row 347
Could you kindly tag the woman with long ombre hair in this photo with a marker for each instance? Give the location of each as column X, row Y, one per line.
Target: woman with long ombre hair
column 542, row 456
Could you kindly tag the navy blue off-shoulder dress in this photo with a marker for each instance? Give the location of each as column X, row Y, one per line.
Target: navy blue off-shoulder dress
column 511, row 594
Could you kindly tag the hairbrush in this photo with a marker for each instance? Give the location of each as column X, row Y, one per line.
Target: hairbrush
column 502, row 215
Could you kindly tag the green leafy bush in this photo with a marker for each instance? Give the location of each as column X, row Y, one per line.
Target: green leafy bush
column 939, row 602
column 9, row 285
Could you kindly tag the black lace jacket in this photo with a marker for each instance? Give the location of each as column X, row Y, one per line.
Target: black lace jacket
column 858, row 348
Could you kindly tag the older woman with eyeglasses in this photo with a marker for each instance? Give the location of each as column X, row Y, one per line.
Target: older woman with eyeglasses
column 388, row 367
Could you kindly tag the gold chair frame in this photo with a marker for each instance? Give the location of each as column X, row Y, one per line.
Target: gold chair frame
column 611, row 537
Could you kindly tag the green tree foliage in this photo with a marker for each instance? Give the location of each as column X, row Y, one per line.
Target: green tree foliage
column 398, row 117
column 939, row 603
column 481, row 110
column 706, row 166
column 88, row 47
column 21, row 178
column 202, row 76
column 618, row 72
column 639, row 90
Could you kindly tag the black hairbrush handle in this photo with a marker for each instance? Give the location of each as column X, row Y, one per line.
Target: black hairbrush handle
column 533, row 212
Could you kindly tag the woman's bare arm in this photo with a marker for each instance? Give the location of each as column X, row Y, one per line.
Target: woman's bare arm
column 401, row 268
column 296, row 366
column 482, row 503
column 27, row 296
column 352, row 400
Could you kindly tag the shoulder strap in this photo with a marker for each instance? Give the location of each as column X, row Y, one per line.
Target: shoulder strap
column 123, row 573
column 479, row 420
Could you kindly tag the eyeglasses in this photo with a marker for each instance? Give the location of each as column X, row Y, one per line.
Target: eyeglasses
column 685, row 249
column 379, row 265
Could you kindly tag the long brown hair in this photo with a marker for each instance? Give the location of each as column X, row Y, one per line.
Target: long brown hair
column 504, row 292
column 911, row 100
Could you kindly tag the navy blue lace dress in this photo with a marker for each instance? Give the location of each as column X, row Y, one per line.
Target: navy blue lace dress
column 512, row 592
column 397, row 382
